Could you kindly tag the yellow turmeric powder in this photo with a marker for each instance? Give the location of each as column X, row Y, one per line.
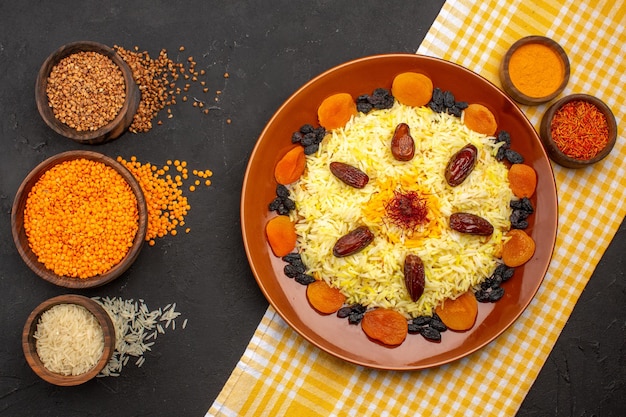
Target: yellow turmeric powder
column 536, row 70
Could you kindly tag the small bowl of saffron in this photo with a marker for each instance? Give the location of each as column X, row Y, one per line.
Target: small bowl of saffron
column 534, row 70
column 578, row 130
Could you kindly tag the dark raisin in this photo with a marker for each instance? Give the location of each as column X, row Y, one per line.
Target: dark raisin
column 414, row 328
column 436, row 107
column 282, row 210
column 311, row 149
column 291, row 271
column 437, row 97
column 381, row 98
column 355, row 317
column 320, row 133
column 455, row 111
column 304, row 279
column 364, row 107
column 513, row 156
column 282, row 191
column 275, row 204
column 306, row 128
column 422, row 320
column 504, row 136
column 344, row 312
column 289, row 203
column 437, row 324
column 461, row 105
column 448, row 99
column 507, row 274
column 298, row 266
column 296, row 137
column 359, row 308
column 431, row 334
column 500, row 154
column 482, row 296
column 495, row 294
column 520, row 224
column 291, row 257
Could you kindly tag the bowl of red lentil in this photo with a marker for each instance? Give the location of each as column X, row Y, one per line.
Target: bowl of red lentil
column 79, row 219
column 86, row 92
column 534, row 70
column 68, row 339
column 578, row 130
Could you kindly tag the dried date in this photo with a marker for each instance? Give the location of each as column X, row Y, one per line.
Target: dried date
column 353, row 242
column 471, row 224
column 349, row 174
column 414, row 276
column 461, row 165
column 402, row 143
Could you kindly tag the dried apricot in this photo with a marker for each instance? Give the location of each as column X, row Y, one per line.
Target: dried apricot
column 459, row 314
column 291, row 166
column 522, row 180
column 324, row 298
column 336, row 110
column 480, row 119
column 518, row 249
column 386, row 326
column 281, row 235
column 412, row 89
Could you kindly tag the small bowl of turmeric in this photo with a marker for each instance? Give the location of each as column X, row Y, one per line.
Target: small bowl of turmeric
column 79, row 219
column 578, row 130
column 534, row 70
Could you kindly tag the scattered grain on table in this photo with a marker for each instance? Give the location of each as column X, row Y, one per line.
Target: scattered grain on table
column 158, row 80
column 136, row 330
column 167, row 205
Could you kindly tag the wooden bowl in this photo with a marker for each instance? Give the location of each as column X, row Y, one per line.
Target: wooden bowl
column 108, row 132
column 21, row 240
column 513, row 91
column 553, row 150
column 29, row 342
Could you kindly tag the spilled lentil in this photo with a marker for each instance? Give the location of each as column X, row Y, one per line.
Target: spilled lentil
column 163, row 191
column 81, row 218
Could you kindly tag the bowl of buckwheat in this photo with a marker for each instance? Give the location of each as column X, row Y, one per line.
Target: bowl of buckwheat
column 86, row 92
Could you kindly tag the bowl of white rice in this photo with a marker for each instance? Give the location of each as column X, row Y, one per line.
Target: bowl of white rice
column 333, row 211
column 68, row 339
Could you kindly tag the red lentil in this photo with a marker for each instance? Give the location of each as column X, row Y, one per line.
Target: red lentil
column 81, row 218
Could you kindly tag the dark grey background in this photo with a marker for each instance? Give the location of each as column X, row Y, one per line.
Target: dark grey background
column 269, row 49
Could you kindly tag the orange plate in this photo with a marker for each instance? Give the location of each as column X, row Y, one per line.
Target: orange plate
column 335, row 335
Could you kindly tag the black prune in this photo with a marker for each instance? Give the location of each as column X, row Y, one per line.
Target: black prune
column 513, row 156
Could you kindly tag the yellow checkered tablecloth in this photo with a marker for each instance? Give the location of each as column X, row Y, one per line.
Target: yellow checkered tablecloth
column 281, row 373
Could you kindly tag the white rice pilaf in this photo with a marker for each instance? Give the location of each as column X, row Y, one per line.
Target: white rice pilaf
column 328, row 209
